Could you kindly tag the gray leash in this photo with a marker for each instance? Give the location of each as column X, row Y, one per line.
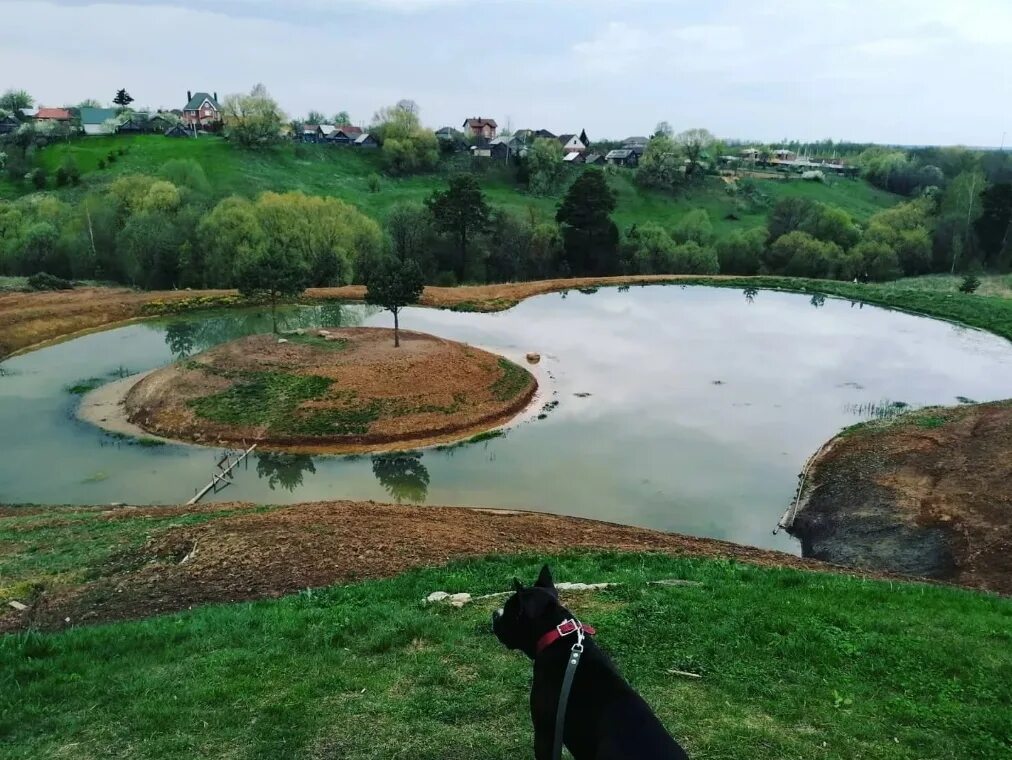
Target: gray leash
column 567, row 685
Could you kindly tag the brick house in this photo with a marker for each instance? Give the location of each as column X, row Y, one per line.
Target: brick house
column 480, row 127
column 201, row 108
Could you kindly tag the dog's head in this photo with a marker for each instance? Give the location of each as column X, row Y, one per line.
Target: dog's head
column 529, row 613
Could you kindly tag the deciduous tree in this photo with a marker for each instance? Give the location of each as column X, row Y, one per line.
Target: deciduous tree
column 694, row 142
column 253, row 120
column 272, row 272
column 16, row 101
column 393, row 285
column 544, row 166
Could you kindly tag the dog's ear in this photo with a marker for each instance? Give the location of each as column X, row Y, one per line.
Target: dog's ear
column 517, row 585
column 545, row 580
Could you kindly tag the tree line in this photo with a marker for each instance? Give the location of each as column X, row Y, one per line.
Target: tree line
column 167, row 231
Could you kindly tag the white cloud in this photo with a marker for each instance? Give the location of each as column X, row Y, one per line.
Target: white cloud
column 898, row 71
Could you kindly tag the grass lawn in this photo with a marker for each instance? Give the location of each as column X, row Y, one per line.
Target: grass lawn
column 344, row 173
column 793, row 665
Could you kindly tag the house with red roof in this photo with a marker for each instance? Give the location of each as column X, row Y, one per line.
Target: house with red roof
column 480, row 127
column 52, row 115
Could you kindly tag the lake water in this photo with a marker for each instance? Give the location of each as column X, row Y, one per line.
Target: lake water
column 689, row 409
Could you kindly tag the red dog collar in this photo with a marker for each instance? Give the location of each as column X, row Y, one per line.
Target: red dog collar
column 565, row 628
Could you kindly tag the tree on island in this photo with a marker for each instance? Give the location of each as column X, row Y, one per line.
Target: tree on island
column 460, row 211
column 123, row 98
column 393, row 285
column 271, row 272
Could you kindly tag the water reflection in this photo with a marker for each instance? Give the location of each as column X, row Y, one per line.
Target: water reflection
column 179, row 338
column 187, row 334
column 818, row 300
column 750, row 294
column 285, row 470
column 402, row 475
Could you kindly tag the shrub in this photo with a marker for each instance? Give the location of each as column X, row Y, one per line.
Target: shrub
column 111, row 157
column 39, row 178
column 46, row 281
column 741, row 252
column 372, row 182
column 694, row 227
column 879, row 259
column 101, row 163
column 970, row 284
column 61, row 177
column 692, row 258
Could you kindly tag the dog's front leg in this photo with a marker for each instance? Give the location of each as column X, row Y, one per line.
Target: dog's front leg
column 543, row 740
column 544, row 724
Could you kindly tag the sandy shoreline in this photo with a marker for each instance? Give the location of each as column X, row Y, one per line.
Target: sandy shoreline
column 104, row 408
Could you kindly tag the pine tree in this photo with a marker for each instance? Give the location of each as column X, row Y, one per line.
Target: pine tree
column 122, row 98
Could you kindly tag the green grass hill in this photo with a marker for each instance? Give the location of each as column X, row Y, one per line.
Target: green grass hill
column 344, row 173
column 791, row 665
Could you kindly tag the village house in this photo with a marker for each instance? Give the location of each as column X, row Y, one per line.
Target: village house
column 622, row 157
column 201, row 108
column 637, row 145
column 8, row 124
column 481, row 128
column 573, row 157
column 528, row 136
column 180, row 130
column 594, row 159
column 783, row 154
column 99, row 121
column 571, row 144
column 366, row 140
column 345, row 134
column 135, row 123
column 52, row 115
column 504, row 147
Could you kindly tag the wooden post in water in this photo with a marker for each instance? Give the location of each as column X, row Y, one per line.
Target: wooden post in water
column 226, row 465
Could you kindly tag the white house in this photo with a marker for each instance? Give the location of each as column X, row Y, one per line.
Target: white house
column 571, row 144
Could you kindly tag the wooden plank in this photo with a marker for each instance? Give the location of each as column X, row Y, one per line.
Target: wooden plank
column 219, row 477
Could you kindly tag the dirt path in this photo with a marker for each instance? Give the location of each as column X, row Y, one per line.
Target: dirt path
column 927, row 494
column 246, row 554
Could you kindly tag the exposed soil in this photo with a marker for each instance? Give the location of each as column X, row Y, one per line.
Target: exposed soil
column 926, row 494
column 286, row 549
column 427, row 390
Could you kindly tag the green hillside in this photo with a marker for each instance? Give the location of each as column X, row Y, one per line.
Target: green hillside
column 790, row 665
column 344, row 173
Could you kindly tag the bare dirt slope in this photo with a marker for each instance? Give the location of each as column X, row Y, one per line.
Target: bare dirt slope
column 249, row 554
column 927, row 494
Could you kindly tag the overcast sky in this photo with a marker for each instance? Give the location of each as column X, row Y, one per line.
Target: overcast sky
column 894, row 71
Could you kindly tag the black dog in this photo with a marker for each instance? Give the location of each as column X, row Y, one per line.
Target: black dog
column 605, row 718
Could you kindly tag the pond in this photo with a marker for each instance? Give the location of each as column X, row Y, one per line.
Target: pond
column 688, row 409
